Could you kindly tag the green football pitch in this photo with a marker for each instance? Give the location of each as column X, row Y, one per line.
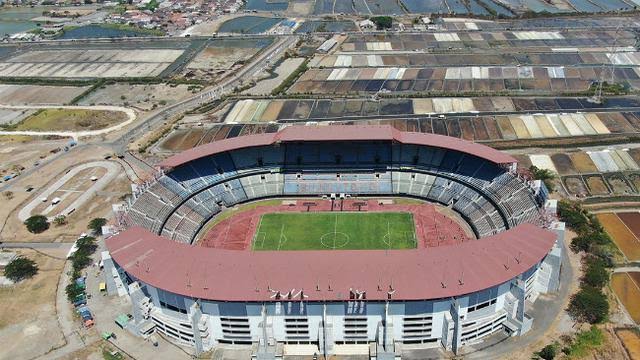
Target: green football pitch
column 335, row 230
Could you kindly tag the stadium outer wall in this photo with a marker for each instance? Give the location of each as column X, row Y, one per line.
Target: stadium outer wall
column 346, row 322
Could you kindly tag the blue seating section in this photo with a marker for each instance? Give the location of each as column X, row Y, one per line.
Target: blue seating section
column 179, row 203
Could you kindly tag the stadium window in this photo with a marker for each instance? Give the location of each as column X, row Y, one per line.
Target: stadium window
column 413, row 176
column 298, row 176
column 377, row 176
column 338, row 176
column 262, row 177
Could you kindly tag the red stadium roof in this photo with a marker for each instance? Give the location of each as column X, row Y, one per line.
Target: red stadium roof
column 339, row 133
column 231, row 275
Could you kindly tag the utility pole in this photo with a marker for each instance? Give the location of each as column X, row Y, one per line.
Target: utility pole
column 597, row 96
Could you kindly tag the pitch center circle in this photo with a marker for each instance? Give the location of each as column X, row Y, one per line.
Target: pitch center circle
column 334, row 240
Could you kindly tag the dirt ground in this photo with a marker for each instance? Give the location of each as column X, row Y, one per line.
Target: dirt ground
column 15, row 153
column 596, row 185
column 12, row 229
column 622, row 236
column 35, row 94
column 285, row 69
column 220, row 58
column 28, row 322
column 625, row 286
column 143, row 97
column 631, row 341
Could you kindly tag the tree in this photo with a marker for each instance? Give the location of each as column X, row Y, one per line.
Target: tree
column 574, row 215
column 8, row 195
column 73, row 291
column 589, row 305
column 382, row 22
column 20, row 268
column 547, row 176
column 548, row 352
column 37, row 224
column 595, row 274
column 60, row 220
column 96, row 225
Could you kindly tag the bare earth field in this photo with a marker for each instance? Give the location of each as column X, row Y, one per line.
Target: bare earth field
column 625, row 286
column 220, row 58
column 596, row 185
column 8, row 117
column 140, row 96
column 16, row 154
column 626, row 241
column 631, row 341
column 35, row 94
column 70, row 120
column 28, row 322
column 89, row 63
column 283, row 70
column 632, row 220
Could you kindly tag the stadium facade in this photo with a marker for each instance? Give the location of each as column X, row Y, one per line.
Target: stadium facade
column 446, row 296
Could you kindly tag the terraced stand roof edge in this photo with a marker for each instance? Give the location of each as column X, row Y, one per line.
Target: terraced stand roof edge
column 339, row 133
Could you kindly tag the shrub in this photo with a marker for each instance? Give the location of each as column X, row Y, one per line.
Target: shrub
column 584, row 342
column 589, row 305
column 96, row 225
column 548, row 352
column 60, row 220
column 20, row 268
column 37, row 224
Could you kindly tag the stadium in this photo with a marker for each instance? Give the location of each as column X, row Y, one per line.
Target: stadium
column 336, row 240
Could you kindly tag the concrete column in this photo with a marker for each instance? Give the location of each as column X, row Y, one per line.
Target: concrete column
column 457, row 326
column 326, row 334
column 389, row 345
column 137, row 296
column 108, row 270
column 519, row 291
column 195, row 314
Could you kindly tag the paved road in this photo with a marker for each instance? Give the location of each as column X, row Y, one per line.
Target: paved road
column 131, row 117
column 68, row 324
column 35, row 245
column 112, row 170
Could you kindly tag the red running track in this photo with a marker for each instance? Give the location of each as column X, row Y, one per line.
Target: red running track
column 432, row 227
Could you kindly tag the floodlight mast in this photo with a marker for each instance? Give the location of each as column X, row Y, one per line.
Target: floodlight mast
column 597, row 96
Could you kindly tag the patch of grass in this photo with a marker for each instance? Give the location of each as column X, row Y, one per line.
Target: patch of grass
column 68, row 120
column 584, row 342
column 335, row 230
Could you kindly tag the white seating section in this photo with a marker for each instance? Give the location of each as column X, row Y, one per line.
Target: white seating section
column 180, row 202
